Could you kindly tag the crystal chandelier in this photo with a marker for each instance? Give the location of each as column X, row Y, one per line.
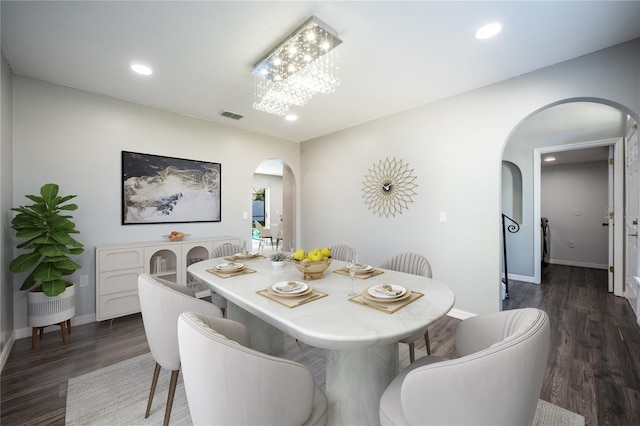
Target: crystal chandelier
column 298, row 68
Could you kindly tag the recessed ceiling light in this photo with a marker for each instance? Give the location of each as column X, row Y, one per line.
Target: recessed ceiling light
column 488, row 31
column 141, row 69
column 550, row 159
column 291, row 117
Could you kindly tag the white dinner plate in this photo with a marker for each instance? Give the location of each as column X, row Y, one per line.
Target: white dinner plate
column 289, row 287
column 380, row 295
column 361, row 269
column 229, row 267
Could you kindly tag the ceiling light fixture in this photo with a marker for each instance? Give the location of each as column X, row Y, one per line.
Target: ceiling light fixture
column 549, row 159
column 141, row 69
column 291, row 117
column 488, row 31
column 300, row 66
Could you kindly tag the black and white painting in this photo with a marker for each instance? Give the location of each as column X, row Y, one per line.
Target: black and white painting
column 157, row 189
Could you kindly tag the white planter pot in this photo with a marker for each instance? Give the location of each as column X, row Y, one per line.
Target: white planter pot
column 43, row 310
column 277, row 264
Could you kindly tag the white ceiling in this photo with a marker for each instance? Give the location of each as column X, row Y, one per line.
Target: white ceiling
column 395, row 55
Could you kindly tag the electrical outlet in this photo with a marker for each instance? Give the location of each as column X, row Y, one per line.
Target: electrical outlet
column 442, row 216
column 84, row 280
column 571, row 244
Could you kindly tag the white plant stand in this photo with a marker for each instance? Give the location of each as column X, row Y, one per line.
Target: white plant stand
column 43, row 311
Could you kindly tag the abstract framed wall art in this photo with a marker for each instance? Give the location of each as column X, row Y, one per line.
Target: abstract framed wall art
column 158, row 189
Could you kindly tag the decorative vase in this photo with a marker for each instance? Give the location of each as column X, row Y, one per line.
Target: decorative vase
column 43, row 310
column 277, row 264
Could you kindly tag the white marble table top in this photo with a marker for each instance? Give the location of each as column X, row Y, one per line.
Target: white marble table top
column 332, row 322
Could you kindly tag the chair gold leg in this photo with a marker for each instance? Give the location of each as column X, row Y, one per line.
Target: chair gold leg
column 412, row 352
column 172, row 392
column 426, row 340
column 154, row 382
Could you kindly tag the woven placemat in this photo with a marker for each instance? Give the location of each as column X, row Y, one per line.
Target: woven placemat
column 387, row 307
column 373, row 273
column 221, row 274
column 293, row 302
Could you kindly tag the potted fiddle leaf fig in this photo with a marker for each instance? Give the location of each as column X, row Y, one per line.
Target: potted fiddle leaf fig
column 49, row 243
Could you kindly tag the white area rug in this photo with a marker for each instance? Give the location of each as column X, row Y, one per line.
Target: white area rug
column 117, row 395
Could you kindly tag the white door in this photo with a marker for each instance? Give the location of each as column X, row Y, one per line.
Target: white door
column 608, row 219
column 631, row 207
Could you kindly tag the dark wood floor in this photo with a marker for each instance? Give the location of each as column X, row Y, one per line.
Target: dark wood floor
column 593, row 367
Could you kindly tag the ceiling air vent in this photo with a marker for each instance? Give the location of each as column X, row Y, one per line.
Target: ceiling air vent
column 231, row 115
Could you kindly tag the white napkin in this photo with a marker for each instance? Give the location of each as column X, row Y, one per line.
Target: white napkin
column 387, row 290
column 290, row 286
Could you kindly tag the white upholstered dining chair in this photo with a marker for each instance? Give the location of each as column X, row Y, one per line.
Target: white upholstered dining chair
column 341, row 252
column 227, row 383
column 161, row 304
column 416, row 264
column 226, row 249
column 496, row 380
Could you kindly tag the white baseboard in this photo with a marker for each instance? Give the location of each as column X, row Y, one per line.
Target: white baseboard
column 579, row 264
column 85, row 319
column 461, row 315
column 6, row 351
column 522, row 278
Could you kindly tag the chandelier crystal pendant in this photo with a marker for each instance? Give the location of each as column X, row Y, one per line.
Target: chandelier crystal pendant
column 299, row 67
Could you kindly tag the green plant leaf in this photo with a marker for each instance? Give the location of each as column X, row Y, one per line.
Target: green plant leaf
column 54, row 288
column 49, row 192
column 46, row 272
column 35, row 199
column 24, row 262
column 28, row 282
column 67, row 265
column 54, row 250
column 69, row 207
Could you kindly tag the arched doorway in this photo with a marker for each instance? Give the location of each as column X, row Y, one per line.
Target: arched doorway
column 565, row 123
column 274, row 187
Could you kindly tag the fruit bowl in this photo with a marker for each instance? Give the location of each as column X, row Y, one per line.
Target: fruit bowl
column 175, row 236
column 312, row 270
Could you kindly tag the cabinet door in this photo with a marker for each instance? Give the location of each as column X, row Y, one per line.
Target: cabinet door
column 117, row 293
column 119, row 258
column 193, row 252
column 165, row 261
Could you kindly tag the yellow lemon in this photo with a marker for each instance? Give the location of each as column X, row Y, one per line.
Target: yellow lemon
column 326, row 252
column 299, row 254
column 315, row 256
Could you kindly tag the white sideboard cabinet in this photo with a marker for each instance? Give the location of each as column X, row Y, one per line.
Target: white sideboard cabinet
column 118, row 267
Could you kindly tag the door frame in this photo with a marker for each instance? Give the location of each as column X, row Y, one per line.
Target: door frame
column 618, row 196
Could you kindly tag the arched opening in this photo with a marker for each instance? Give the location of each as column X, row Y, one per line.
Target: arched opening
column 567, row 127
column 273, row 204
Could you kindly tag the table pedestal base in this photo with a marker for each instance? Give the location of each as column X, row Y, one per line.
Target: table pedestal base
column 356, row 379
column 263, row 337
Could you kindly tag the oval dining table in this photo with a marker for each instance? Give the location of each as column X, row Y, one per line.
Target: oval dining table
column 361, row 341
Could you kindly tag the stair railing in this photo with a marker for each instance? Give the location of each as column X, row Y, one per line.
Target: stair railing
column 513, row 227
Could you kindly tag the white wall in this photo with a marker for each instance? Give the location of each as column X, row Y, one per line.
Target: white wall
column 75, row 138
column 6, row 193
column 455, row 148
column 574, row 197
